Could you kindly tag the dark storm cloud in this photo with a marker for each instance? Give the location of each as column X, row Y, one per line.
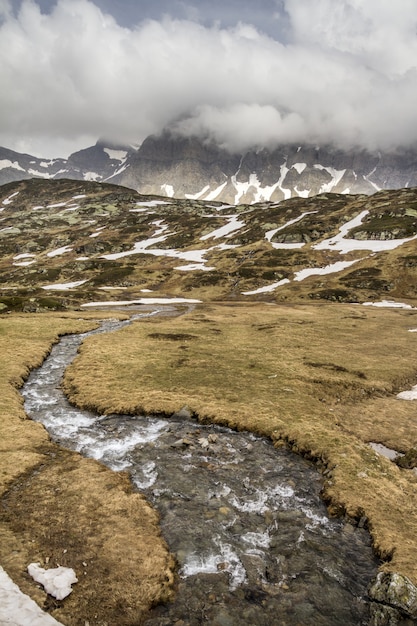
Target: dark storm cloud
column 293, row 70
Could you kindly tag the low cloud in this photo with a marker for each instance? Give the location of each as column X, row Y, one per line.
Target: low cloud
column 346, row 74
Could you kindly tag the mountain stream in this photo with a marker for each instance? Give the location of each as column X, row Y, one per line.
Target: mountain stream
column 245, row 521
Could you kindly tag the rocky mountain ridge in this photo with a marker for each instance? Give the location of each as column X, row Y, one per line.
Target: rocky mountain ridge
column 190, row 168
column 68, row 243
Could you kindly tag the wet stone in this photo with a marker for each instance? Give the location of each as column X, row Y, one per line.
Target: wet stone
column 245, row 521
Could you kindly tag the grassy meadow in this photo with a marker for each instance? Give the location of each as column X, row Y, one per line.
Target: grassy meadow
column 59, row 508
column 320, row 378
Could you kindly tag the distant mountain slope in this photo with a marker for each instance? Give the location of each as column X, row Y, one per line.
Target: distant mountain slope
column 181, row 167
column 64, row 243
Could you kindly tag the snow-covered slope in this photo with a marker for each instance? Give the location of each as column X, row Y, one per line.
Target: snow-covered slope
column 68, row 242
column 189, row 168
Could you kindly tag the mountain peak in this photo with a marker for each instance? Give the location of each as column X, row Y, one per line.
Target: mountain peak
column 188, row 167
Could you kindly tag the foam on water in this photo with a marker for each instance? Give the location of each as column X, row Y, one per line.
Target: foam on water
column 244, row 515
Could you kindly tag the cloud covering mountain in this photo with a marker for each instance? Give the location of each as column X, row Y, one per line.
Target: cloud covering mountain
column 305, row 71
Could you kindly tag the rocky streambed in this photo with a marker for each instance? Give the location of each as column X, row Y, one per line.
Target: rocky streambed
column 245, row 521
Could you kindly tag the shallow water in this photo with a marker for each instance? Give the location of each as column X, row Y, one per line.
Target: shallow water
column 244, row 520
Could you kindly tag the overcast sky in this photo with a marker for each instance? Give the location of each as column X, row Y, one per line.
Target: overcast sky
column 243, row 73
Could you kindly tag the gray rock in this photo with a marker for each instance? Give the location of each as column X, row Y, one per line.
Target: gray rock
column 397, row 591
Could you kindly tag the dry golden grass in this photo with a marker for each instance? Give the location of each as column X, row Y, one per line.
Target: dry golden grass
column 57, row 507
column 321, row 378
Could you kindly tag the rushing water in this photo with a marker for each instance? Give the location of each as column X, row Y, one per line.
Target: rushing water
column 252, row 538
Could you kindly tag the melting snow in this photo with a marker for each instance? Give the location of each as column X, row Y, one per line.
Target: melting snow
column 408, row 395
column 222, row 207
column 196, row 196
column 284, row 171
column 304, row 193
column 97, row 231
column 54, row 206
column 339, row 243
column 329, row 269
column 79, row 196
column 143, row 247
column 267, row 288
column 23, row 256
column 300, row 167
column 213, row 194
column 193, row 267
column 152, row 203
column 168, row 189
column 14, row 165
column 91, row 176
column 33, row 172
column 117, row 155
column 389, row 304
column 24, row 263
column 9, row 199
column 388, row 453
column 232, row 225
column 270, row 233
column 336, row 175
column 64, row 286
column 59, row 251
column 57, row 581
column 301, row 275
column 17, row 609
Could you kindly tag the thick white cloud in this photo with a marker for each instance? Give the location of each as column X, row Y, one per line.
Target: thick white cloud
column 348, row 75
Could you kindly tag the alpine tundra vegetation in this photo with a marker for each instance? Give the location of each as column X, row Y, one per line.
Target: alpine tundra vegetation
column 267, row 332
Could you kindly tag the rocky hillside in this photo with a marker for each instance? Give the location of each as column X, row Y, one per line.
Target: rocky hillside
column 188, row 168
column 65, row 243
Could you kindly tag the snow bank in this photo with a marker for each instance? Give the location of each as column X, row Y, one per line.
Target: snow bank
column 17, row 609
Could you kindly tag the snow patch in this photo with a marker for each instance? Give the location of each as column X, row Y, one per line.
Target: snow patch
column 192, row 267
column 17, row 609
column 152, row 203
column 59, row 251
column 14, row 165
column 33, row 172
column 270, row 233
column 336, row 175
column 267, row 288
column 408, row 395
column 321, row 271
column 9, row 199
column 196, row 196
column 343, row 245
column 57, row 581
column 117, row 155
column 168, row 189
column 210, row 197
column 300, row 167
column 390, row 304
column 64, row 286
column 92, row 176
column 18, row 257
column 232, row 225
column 303, row 193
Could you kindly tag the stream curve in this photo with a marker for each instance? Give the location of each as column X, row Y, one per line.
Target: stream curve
column 245, row 521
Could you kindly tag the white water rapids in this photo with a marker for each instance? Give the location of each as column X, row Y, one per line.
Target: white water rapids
column 245, row 521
